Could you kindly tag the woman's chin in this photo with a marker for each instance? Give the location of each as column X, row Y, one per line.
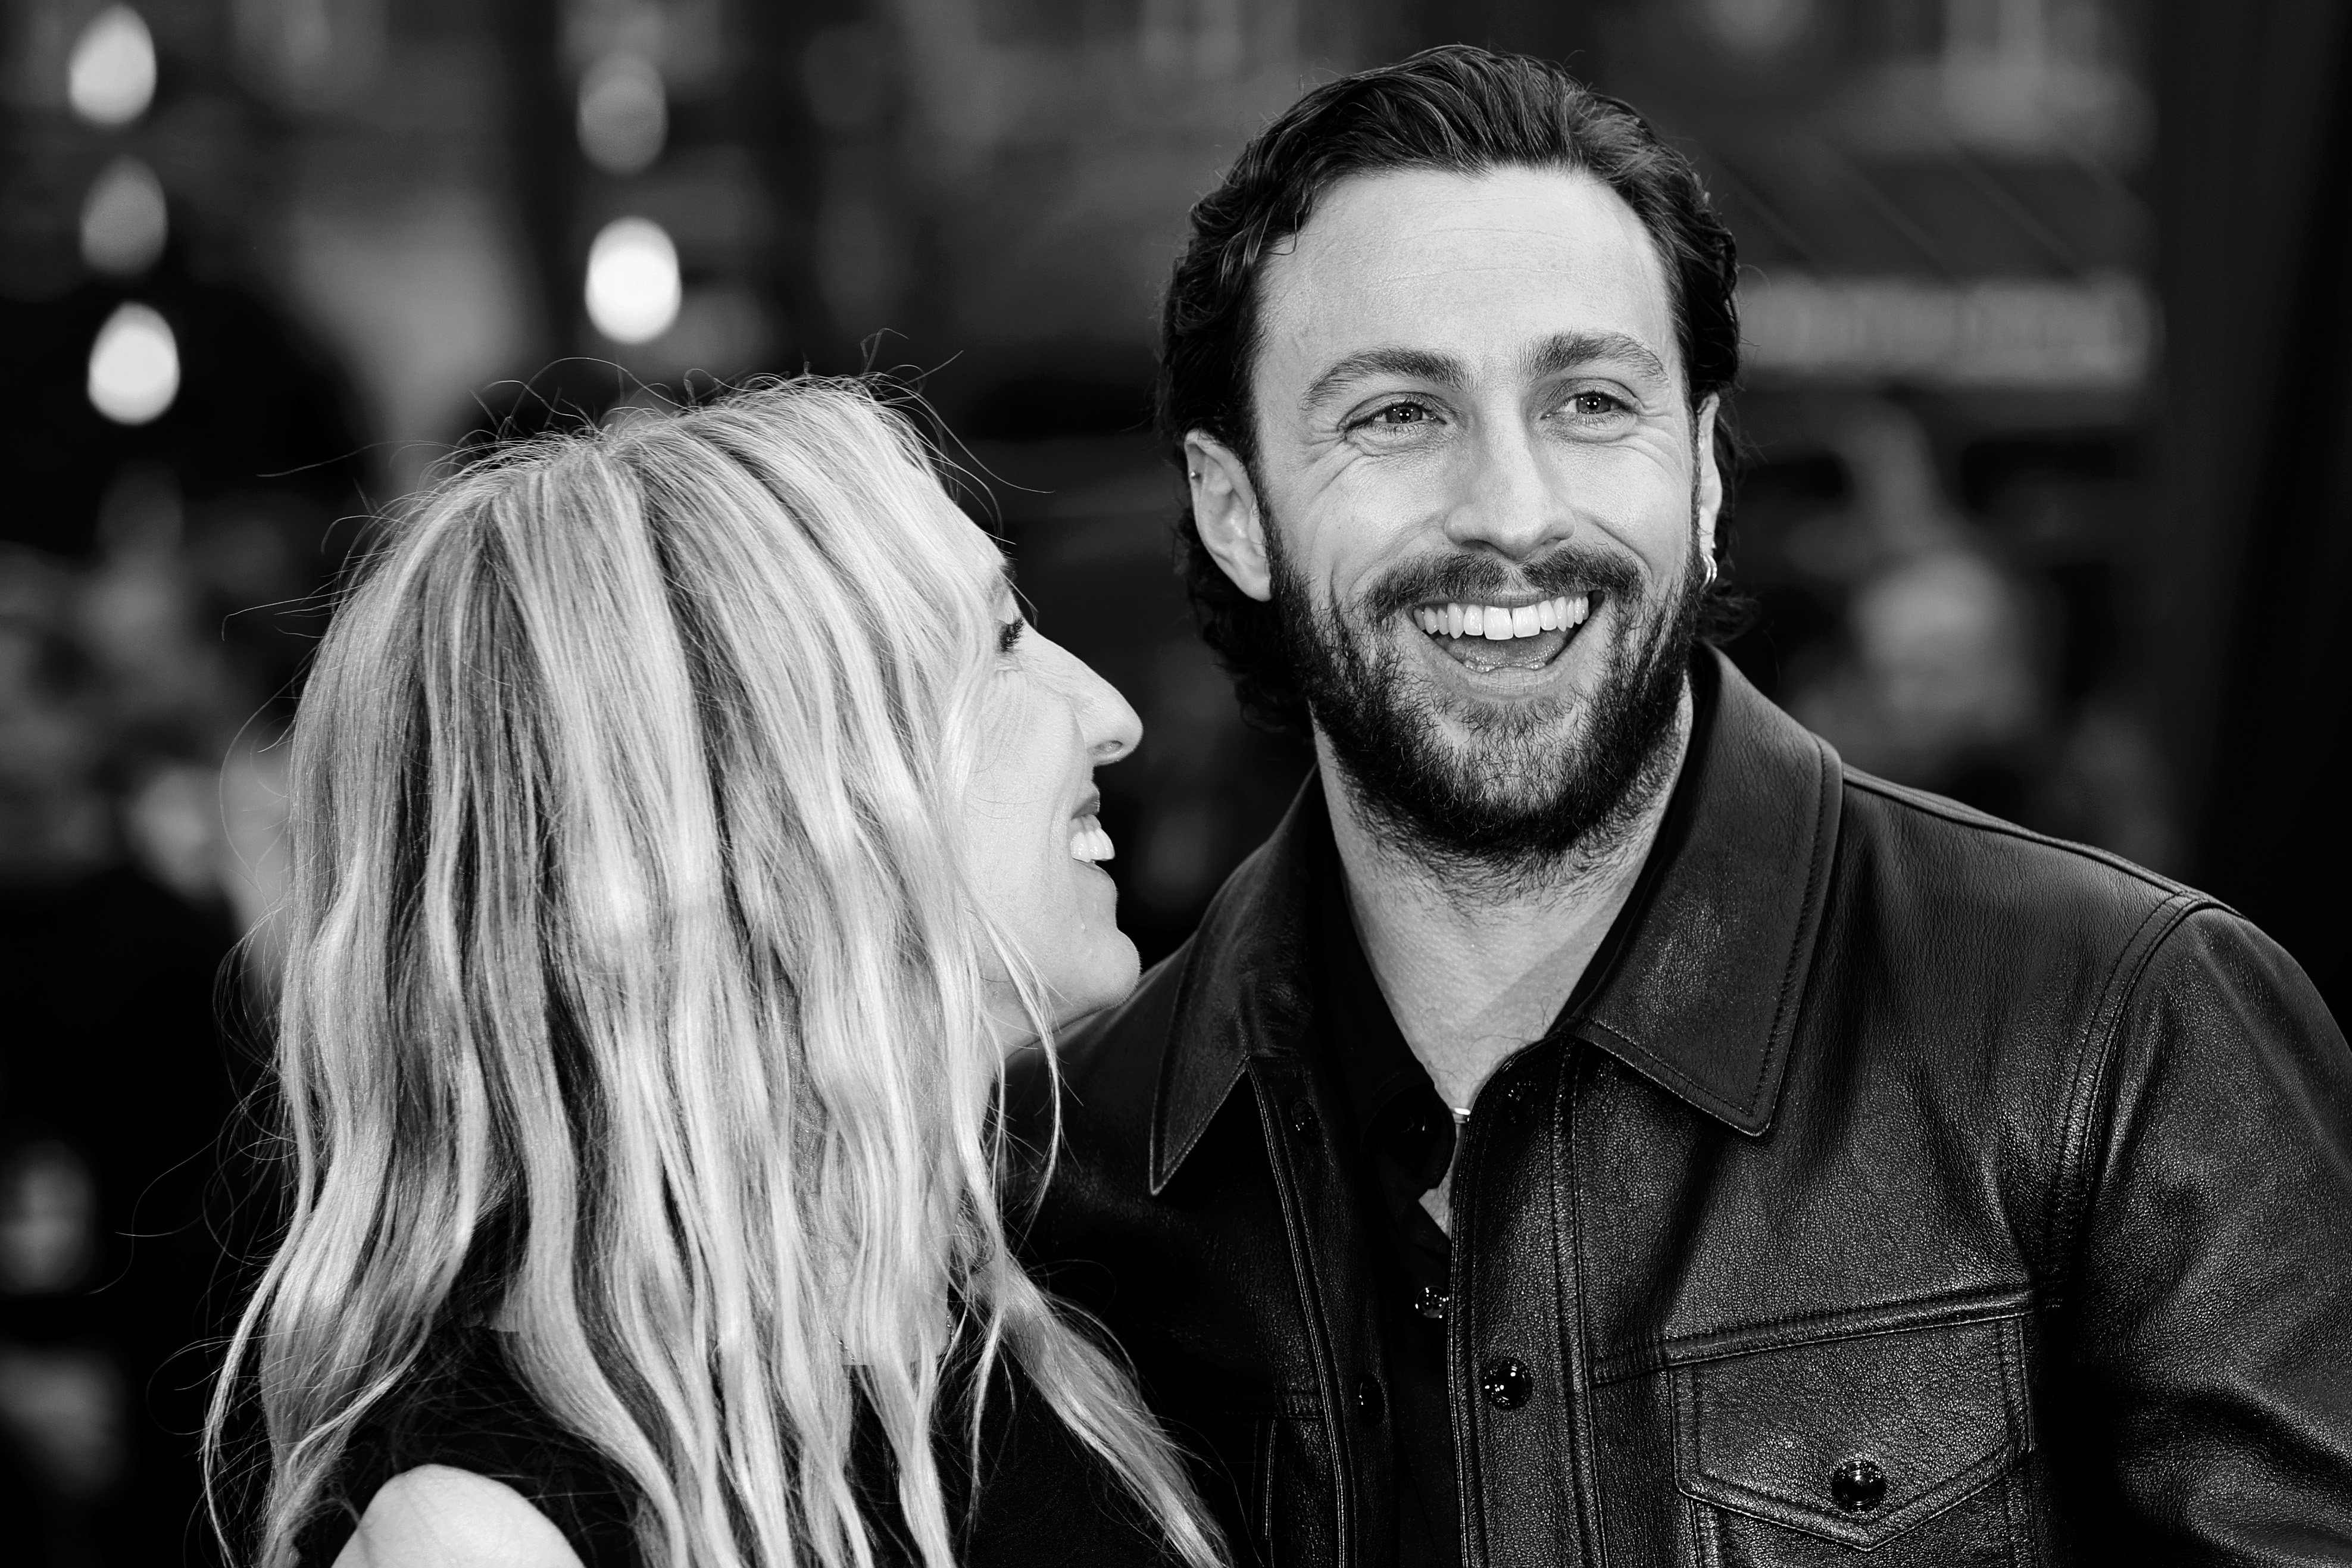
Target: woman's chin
column 1096, row 973
column 1105, row 979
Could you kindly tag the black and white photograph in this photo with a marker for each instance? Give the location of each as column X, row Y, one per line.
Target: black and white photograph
column 1175, row 784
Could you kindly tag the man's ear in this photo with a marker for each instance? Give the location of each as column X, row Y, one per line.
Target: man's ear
column 1225, row 510
column 1708, row 480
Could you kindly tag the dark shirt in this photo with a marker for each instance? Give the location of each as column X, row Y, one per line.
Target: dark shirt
column 1043, row 1500
column 1405, row 1136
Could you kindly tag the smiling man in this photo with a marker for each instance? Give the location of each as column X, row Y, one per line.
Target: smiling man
column 1598, row 1127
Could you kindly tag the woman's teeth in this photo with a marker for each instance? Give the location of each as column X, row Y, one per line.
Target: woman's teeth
column 1088, row 842
column 1497, row 623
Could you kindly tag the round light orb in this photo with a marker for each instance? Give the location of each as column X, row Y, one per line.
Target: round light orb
column 110, row 76
column 123, row 221
column 134, row 366
column 632, row 282
column 624, row 113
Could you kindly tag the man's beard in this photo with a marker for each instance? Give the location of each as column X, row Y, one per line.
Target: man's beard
column 1523, row 801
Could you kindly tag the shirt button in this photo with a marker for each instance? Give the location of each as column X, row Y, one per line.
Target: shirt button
column 1430, row 1302
column 1858, row 1486
column 1303, row 1123
column 1371, row 1402
column 1507, row 1383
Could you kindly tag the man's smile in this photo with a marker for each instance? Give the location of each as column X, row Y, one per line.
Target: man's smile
column 1493, row 637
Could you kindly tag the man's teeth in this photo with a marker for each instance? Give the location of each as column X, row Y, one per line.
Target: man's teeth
column 1088, row 842
column 1497, row 623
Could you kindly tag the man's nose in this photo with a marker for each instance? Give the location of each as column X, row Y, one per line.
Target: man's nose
column 1509, row 499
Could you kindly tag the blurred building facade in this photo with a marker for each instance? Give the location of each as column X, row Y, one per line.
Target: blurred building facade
column 265, row 263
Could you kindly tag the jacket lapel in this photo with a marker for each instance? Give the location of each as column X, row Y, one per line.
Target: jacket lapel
column 1701, row 987
column 1245, row 988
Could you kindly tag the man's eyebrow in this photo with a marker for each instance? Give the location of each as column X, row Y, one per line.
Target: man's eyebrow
column 1419, row 364
column 1565, row 352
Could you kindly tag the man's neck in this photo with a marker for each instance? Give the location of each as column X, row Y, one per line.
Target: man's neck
column 1472, row 974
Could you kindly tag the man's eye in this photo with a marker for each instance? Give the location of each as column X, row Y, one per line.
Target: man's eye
column 1010, row 633
column 1406, row 414
column 1596, row 405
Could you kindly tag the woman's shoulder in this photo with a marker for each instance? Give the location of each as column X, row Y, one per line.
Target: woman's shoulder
column 437, row 1516
column 462, row 1432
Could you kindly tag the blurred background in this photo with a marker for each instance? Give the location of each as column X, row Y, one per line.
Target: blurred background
column 2047, row 504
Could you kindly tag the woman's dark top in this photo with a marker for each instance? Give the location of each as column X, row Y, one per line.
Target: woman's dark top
column 1044, row 1500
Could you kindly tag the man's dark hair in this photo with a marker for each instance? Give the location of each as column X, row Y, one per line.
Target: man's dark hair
column 1456, row 108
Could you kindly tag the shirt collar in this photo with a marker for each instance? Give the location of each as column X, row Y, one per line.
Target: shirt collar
column 1696, row 989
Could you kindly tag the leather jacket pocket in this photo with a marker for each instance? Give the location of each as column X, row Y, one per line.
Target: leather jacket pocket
column 1857, row 1441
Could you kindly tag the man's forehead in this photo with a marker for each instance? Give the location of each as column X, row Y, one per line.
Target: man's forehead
column 1475, row 264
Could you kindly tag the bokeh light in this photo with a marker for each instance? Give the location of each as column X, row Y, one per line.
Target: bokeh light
column 110, row 79
column 632, row 282
column 124, row 220
column 624, row 113
column 134, row 366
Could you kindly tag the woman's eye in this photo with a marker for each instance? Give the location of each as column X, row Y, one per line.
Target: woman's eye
column 1010, row 633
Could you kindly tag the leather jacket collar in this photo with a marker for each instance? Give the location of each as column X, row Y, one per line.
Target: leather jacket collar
column 1699, row 982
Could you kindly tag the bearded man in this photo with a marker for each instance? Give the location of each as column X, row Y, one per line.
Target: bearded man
column 1596, row 1126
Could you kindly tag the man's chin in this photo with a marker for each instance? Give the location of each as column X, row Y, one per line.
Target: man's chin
column 1493, row 768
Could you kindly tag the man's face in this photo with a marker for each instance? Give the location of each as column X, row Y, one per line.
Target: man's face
column 1471, row 407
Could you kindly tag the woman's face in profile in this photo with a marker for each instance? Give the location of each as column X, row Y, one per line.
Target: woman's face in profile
column 1030, row 818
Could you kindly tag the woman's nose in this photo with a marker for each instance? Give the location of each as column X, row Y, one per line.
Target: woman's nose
column 1105, row 719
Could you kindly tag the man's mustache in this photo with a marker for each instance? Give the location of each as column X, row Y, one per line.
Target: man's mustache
column 1466, row 577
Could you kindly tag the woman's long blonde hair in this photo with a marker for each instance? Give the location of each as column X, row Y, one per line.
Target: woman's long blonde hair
column 630, row 949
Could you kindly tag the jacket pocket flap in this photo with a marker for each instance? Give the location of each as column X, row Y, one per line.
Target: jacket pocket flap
column 1855, row 1440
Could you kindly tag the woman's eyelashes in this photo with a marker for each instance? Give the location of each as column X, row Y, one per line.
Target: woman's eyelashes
column 1009, row 633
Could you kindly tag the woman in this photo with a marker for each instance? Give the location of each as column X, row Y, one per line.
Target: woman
column 685, row 824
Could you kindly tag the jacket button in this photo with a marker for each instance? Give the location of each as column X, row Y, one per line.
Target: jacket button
column 1430, row 1302
column 1371, row 1402
column 1303, row 1123
column 1507, row 1383
column 1858, row 1485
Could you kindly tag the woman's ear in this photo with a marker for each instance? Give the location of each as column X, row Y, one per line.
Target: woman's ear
column 1225, row 510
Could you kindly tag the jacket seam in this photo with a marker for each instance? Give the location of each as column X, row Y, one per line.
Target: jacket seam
column 1951, row 1309
column 1585, row 1479
column 1317, row 1321
column 1961, row 816
column 2090, row 1100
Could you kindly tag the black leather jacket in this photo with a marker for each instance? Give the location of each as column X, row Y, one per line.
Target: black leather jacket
column 1910, row 1185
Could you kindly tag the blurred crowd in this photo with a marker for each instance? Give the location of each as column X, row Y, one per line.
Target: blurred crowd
column 141, row 713
column 263, row 262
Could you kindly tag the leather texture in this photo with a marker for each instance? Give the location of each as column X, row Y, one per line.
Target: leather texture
column 1909, row 1185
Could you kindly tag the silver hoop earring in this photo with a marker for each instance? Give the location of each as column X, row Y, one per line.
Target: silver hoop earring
column 1710, row 573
